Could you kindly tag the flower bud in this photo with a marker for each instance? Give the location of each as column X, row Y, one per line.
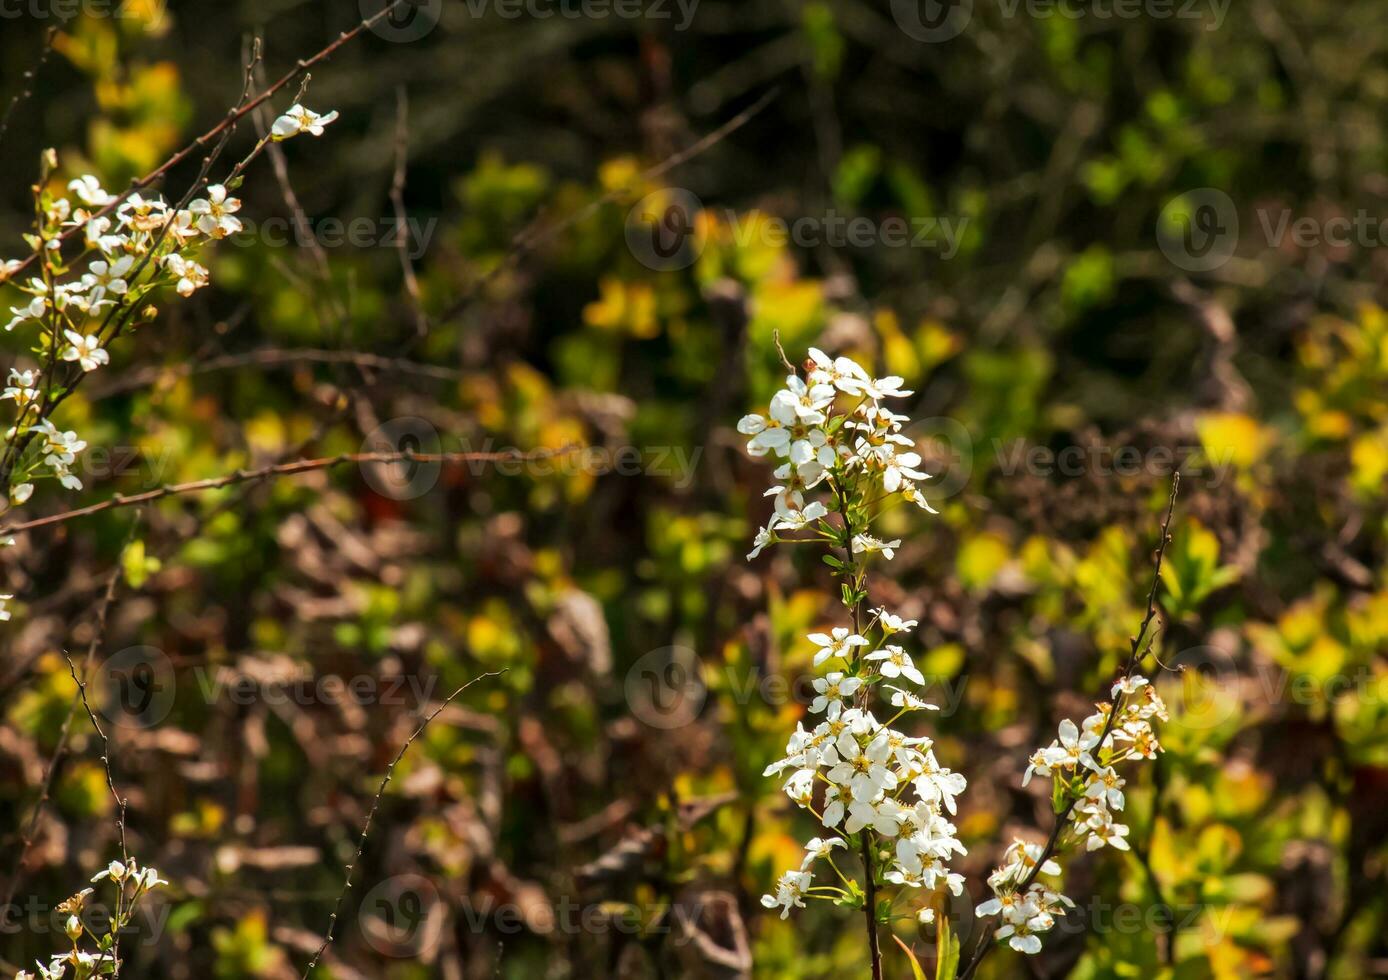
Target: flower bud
column 73, row 928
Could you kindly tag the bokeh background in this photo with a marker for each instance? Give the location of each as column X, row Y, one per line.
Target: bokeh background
column 1143, row 236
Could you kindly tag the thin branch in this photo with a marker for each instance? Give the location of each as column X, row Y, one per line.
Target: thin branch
column 1135, row 655
column 370, row 814
column 59, row 750
column 532, row 237
column 267, row 357
column 397, row 200
column 233, row 117
column 27, row 80
column 283, row 469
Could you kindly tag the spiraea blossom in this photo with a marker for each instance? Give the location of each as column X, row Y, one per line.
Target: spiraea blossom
column 861, row 778
column 98, row 261
column 1088, row 794
column 877, row 792
column 132, row 884
column 863, row 444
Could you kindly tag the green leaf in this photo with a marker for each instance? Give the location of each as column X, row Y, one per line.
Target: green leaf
column 916, row 970
column 947, row 945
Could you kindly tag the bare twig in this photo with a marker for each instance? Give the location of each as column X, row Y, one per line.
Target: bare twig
column 1136, row 653
column 397, row 200
column 232, row 118
column 269, row 357
column 59, row 750
column 370, row 814
column 27, row 80
column 282, row 469
column 538, row 233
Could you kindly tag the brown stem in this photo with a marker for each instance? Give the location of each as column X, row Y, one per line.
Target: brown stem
column 1135, row 655
column 870, row 909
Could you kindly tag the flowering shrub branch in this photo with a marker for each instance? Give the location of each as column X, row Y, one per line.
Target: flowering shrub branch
column 877, row 791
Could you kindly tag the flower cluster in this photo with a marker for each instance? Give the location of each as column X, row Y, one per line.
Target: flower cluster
column 1088, row 791
column 132, row 884
column 79, row 303
column 819, row 443
column 874, row 778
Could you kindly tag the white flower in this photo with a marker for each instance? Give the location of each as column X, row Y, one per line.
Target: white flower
column 893, row 624
column 189, row 275
column 85, row 350
column 23, row 388
column 151, row 879
column 790, row 891
column 37, row 308
column 820, row 848
column 1040, row 763
column 89, row 191
column 115, row 871
column 143, row 214
column 4, row 601
column 884, row 816
column 1102, row 830
column 301, row 120
column 867, row 544
column 833, row 687
column 21, row 492
column 895, row 662
column 839, row 644
column 763, row 538
column 214, row 213
column 902, row 698
column 1105, row 784
column 109, row 277
column 98, row 237
column 1073, row 748
column 796, row 520
column 843, row 373
column 862, row 768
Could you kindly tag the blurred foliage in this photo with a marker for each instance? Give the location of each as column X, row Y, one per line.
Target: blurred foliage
column 1064, row 365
